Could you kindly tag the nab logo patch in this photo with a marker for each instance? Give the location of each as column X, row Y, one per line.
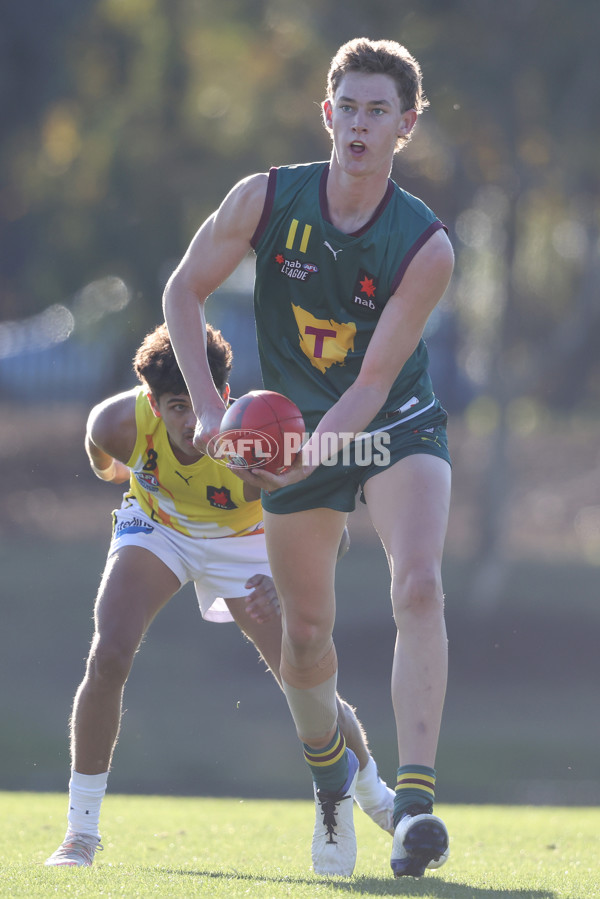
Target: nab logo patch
column 220, row 498
column 365, row 301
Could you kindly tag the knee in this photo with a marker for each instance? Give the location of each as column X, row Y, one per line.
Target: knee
column 306, row 637
column 109, row 662
column 304, row 634
column 417, row 592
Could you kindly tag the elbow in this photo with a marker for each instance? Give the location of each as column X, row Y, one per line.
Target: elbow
column 171, row 292
column 180, row 293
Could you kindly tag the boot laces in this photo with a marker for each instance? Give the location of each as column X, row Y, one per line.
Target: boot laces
column 329, row 803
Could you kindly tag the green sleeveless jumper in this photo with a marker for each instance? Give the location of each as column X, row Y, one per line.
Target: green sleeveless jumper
column 319, row 292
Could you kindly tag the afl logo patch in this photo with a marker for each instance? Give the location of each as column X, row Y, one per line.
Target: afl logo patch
column 147, row 481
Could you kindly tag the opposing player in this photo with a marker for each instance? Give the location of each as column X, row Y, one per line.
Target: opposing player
column 348, row 269
column 183, row 517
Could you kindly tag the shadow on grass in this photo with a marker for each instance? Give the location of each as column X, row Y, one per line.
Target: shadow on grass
column 379, row 886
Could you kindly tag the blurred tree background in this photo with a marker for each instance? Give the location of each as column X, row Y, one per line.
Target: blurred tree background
column 124, row 123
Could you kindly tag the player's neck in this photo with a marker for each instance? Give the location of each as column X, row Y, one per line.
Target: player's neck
column 182, row 457
column 352, row 200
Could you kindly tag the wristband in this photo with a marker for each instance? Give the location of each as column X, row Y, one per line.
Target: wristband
column 106, row 474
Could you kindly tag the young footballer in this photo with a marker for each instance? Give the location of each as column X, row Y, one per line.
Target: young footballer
column 184, row 517
column 349, row 266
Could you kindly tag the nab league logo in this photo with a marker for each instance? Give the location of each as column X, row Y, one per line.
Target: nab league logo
column 294, row 269
column 364, row 301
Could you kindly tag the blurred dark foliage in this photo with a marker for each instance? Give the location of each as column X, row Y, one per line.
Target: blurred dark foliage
column 126, row 121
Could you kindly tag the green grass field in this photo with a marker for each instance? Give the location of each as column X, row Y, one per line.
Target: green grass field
column 159, row 846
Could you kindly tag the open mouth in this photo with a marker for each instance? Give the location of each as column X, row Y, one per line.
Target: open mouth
column 357, row 147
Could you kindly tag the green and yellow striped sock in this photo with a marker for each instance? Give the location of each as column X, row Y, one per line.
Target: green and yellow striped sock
column 329, row 765
column 415, row 790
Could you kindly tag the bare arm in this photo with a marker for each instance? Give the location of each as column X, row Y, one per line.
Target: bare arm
column 215, row 252
column 110, row 437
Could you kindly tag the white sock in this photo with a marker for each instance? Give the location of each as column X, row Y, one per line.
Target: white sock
column 371, row 791
column 86, row 792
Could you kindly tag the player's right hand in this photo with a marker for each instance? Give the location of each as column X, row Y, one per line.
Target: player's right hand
column 207, row 428
column 262, row 603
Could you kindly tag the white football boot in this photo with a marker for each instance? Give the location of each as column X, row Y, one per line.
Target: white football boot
column 334, row 840
column 420, row 842
column 76, row 850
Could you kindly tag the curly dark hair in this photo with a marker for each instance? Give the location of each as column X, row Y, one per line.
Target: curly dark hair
column 156, row 366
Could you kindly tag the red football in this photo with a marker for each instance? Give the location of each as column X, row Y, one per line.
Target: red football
column 261, row 429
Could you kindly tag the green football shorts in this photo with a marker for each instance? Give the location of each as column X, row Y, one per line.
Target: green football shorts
column 335, row 483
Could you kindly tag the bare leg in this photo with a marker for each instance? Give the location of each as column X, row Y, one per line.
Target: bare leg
column 134, row 587
column 409, row 505
column 303, row 549
column 266, row 637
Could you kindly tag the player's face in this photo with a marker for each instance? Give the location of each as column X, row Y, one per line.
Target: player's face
column 366, row 120
column 177, row 413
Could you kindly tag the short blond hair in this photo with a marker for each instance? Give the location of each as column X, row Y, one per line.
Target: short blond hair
column 380, row 58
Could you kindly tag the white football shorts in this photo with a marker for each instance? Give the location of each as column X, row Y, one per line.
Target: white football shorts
column 218, row 567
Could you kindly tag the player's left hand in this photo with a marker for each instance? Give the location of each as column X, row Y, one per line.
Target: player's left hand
column 262, row 603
